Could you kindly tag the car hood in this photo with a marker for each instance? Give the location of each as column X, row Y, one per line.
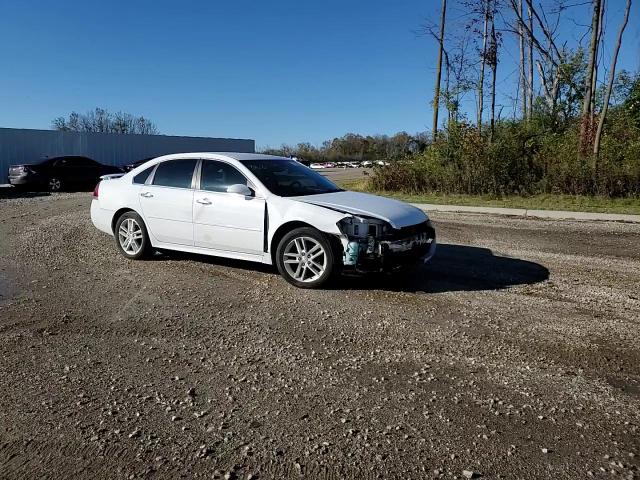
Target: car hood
column 397, row 213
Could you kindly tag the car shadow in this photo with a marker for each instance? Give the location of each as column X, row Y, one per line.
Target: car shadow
column 12, row 192
column 456, row 268
column 453, row 268
column 175, row 255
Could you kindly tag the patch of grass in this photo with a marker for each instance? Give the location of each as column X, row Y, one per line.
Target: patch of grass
column 574, row 203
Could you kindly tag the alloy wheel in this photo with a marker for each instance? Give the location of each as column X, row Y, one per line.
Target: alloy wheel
column 55, row 184
column 305, row 259
column 130, row 236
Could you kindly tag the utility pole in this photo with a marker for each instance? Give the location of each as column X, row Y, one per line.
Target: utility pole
column 523, row 77
column 483, row 60
column 587, row 105
column 494, row 68
column 436, row 95
column 530, row 80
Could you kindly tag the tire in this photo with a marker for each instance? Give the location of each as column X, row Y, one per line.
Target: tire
column 131, row 236
column 54, row 184
column 306, row 258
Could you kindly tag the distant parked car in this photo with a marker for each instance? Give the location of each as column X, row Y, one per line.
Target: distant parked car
column 353, row 165
column 367, row 163
column 59, row 173
column 317, row 166
column 131, row 166
column 382, row 163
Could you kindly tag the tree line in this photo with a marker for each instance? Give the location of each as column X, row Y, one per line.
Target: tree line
column 574, row 117
column 101, row 120
column 562, row 69
column 355, row 147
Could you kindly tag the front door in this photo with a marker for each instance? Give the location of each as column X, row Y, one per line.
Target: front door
column 167, row 202
column 226, row 221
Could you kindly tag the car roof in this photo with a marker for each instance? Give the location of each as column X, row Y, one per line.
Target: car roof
column 231, row 155
column 228, row 156
column 60, row 157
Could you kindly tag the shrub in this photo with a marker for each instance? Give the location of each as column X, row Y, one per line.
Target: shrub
column 522, row 159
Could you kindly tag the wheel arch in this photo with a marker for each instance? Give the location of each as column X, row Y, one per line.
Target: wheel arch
column 118, row 214
column 281, row 232
column 292, row 225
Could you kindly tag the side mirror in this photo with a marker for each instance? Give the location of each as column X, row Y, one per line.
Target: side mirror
column 240, row 189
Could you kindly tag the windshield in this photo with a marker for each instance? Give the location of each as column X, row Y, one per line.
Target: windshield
column 288, row 178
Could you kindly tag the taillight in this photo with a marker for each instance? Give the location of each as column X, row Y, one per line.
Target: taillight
column 95, row 190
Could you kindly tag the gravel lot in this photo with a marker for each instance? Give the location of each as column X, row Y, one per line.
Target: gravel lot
column 515, row 354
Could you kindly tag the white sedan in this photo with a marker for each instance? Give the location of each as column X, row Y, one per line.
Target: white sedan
column 261, row 208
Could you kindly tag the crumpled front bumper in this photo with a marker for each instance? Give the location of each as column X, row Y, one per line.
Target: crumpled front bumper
column 388, row 254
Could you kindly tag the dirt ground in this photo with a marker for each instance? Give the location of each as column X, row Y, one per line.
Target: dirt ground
column 515, row 354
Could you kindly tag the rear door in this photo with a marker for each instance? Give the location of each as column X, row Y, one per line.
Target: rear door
column 91, row 170
column 66, row 169
column 76, row 171
column 167, row 201
column 226, row 221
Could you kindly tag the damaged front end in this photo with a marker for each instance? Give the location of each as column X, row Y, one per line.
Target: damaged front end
column 373, row 245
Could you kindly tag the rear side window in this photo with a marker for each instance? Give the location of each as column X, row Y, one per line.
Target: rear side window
column 175, row 173
column 83, row 161
column 75, row 162
column 143, row 175
column 218, row 176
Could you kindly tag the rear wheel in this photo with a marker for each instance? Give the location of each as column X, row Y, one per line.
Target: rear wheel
column 305, row 258
column 54, row 184
column 131, row 236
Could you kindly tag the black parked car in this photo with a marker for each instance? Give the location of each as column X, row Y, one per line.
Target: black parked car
column 58, row 173
column 131, row 166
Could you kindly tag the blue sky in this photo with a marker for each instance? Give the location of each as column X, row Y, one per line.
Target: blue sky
column 279, row 71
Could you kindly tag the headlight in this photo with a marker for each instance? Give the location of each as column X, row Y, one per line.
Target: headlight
column 363, row 227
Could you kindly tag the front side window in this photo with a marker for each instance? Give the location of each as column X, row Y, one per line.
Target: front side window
column 175, row 173
column 218, row 176
column 288, row 178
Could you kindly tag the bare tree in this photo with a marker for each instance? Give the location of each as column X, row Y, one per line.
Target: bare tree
column 456, row 66
column 436, row 95
column 460, row 68
column 612, row 72
column 587, row 105
column 550, row 55
column 101, row 120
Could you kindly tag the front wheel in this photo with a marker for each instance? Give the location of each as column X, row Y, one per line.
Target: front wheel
column 305, row 258
column 131, row 236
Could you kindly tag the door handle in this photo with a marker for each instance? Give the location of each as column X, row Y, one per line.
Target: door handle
column 146, row 194
column 204, row 201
